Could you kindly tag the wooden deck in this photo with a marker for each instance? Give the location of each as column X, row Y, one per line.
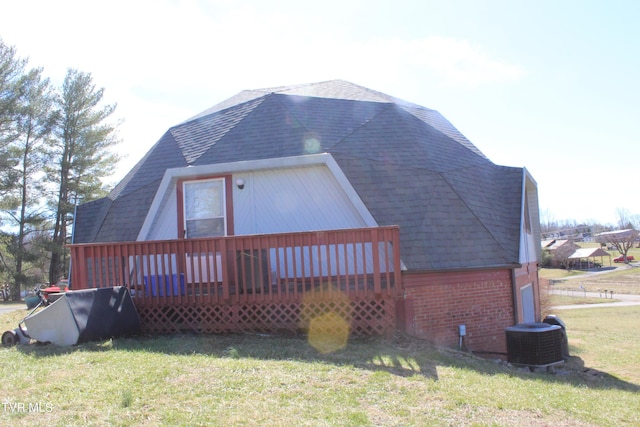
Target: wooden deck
column 252, row 283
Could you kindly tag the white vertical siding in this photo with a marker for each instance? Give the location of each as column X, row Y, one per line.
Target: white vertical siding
column 528, row 307
column 293, row 199
column 329, row 260
column 530, row 250
column 274, row 201
column 527, row 247
column 165, row 226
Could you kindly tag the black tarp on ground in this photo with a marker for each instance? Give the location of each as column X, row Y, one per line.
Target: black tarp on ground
column 103, row 313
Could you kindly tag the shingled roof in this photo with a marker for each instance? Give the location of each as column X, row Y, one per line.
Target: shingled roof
column 455, row 208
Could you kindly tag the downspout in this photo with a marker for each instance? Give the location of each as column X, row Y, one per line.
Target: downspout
column 514, row 287
column 73, row 240
column 521, row 244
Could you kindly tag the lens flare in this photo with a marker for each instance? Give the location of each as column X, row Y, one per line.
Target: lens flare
column 327, row 314
column 328, row 332
column 311, row 144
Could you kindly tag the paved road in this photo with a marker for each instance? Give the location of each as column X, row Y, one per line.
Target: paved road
column 8, row 307
column 622, row 300
column 597, row 272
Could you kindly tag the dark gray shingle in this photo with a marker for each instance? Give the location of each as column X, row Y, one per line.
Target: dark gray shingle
column 411, row 167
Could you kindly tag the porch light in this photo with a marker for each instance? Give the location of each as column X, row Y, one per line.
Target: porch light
column 240, row 183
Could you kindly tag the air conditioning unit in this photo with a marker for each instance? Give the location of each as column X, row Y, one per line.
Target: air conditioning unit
column 534, row 344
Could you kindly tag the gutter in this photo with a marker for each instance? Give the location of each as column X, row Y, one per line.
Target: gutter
column 511, row 266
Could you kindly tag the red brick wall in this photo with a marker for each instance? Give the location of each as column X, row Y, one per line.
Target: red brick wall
column 436, row 303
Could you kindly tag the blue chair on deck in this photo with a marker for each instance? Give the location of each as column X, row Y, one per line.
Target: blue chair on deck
column 164, row 285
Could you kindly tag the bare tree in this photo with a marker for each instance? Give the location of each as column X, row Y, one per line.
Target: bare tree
column 548, row 221
column 624, row 218
column 622, row 240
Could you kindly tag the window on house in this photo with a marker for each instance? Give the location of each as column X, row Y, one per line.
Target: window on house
column 204, row 208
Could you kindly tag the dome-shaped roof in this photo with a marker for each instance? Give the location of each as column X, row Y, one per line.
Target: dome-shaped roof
column 409, row 165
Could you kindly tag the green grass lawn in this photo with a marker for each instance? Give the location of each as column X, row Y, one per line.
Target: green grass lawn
column 573, row 300
column 558, row 273
column 277, row 380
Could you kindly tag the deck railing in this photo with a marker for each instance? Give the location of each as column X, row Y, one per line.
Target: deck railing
column 362, row 262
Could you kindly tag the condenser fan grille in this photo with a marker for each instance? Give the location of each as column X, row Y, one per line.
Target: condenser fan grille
column 534, row 344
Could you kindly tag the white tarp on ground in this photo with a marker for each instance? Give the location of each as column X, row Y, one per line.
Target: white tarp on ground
column 54, row 324
column 85, row 315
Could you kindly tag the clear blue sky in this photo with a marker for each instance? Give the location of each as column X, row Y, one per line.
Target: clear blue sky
column 551, row 85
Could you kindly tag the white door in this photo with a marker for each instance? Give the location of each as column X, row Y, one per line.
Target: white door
column 528, row 306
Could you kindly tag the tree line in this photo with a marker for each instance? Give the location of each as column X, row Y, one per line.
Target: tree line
column 550, row 227
column 56, row 146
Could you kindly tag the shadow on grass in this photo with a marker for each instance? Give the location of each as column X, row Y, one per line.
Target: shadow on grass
column 400, row 355
column 394, row 357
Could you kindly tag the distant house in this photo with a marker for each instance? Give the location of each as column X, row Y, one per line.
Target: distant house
column 281, row 204
column 560, row 251
column 588, row 258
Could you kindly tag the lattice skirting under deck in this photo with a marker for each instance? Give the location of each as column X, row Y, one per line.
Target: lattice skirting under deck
column 360, row 317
